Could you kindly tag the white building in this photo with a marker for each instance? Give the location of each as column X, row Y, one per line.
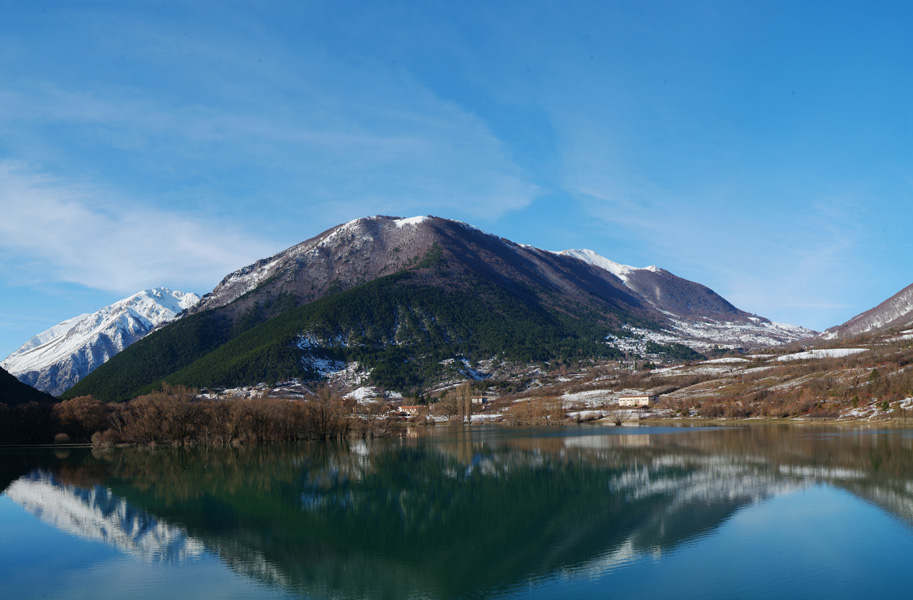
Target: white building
column 637, row 400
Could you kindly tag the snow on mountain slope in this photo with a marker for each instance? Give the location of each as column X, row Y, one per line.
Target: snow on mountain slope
column 366, row 248
column 699, row 317
column 894, row 313
column 623, row 272
column 702, row 335
column 54, row 360
column 358, row 250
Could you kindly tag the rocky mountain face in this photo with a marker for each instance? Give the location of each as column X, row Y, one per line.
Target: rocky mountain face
column 54, row 360
column 895, row 313
column 336, row 260
column 402, row 296
column 365, row 249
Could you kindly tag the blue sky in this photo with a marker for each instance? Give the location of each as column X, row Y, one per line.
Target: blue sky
column 761, row 148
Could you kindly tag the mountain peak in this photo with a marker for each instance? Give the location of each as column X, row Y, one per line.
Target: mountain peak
column 57, row 358
column 336, row 259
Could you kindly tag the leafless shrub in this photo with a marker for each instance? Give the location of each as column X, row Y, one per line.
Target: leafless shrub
column 540, row 411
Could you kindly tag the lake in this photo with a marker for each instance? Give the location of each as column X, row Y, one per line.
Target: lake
column 481, row 512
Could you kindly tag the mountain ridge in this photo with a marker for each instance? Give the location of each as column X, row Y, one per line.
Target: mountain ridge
column 404, row 295
column 894, row 313
column 55, row 359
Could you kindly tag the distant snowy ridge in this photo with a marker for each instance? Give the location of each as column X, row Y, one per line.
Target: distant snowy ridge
column 54, row 360
column 894, row 313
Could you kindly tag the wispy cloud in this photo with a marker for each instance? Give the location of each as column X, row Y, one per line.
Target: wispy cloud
column 54, row 230
column 301, row 133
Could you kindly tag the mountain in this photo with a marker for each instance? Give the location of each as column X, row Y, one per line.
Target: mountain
column 666, row 292
column 13, row 391
column 696, row 315
column 894, row 313
column 54, row 360
column 402, row 296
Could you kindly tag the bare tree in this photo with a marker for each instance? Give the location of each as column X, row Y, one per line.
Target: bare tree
column 464, row 400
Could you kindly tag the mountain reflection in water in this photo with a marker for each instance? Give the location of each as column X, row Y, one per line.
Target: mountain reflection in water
column 457, row 513
column 96, row 514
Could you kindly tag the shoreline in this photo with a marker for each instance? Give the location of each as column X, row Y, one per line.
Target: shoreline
column 828, row 422
column 605, row 422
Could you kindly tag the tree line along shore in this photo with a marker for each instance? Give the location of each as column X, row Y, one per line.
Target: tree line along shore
column 176, row 415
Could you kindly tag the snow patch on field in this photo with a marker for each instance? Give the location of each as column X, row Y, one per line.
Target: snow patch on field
column 486, row 418
column 366, row 395
column 904, row 335
column 587, row 415
column 821, row 353
column 464, row 367
column 323, row 366
column 698, row 369
column 590, row 398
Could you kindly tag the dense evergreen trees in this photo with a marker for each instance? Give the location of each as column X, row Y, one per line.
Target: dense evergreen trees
column 14, row 392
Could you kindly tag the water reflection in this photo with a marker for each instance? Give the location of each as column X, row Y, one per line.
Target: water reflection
column 96, row 514
column 455, row 514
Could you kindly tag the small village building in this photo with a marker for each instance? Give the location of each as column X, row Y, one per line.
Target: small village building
column 411, row 410
column 480, row 400
column 637, row 400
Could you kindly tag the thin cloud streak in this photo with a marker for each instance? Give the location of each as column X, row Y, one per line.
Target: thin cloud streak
column 69, row 232
column 294, row 131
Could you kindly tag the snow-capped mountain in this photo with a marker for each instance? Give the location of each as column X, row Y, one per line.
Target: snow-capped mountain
column 894, row 313
column 335, row 260
column 54, row 360
column 424, row 290
column 367, row 248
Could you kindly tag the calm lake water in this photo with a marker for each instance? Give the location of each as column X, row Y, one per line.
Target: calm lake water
column 581, row 512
